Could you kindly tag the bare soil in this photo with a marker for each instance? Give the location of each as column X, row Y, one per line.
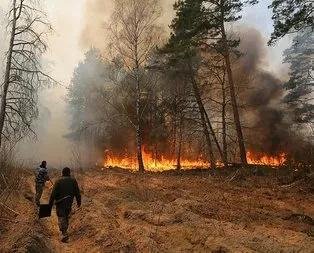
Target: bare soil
column 169, row 212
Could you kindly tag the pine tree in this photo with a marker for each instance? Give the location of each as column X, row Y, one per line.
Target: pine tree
column 203, row 24
column 291, row 16
column 300, row 85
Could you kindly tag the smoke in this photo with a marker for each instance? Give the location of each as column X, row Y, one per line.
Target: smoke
column 81, row 24
column 269, row 130
column 63, row 55
column 78, row 25
column 3, row 43
column 97, row 16
column 253, row 47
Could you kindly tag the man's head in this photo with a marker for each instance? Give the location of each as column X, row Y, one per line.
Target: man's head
column 43, row 164
column 66, row 172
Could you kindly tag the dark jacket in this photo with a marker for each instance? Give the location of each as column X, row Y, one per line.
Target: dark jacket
column 64, row 190
column 42, row 175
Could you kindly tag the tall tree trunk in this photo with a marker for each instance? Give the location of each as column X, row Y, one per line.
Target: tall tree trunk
column 155, row 124
column 139, row 134
column 155, row 154
column 7, row 72
column 224, row 124
column 205, row 129
column 179, row 146
column 237, row 121
column 215, row 139
column 138, row 111
column 174, row 137
column 138, row 127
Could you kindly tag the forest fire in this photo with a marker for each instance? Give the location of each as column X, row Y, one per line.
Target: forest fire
column 153, row 164
column 264, row 159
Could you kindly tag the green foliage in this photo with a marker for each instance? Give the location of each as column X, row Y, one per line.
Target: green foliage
column 291, row 16
column 300, row 85
column 198, row 23
column 186, row 27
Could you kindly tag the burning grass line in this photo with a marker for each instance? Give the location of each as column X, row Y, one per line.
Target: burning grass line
column 163, row 163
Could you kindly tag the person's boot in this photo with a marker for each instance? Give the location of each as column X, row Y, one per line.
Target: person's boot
column 65, row 237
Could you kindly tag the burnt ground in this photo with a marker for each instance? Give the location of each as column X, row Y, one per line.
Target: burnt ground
column 170, row 212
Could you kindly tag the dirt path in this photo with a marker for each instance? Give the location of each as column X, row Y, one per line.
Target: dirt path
column 93, row 218
column 27, row 233
column 50, row 224
column 54, row 237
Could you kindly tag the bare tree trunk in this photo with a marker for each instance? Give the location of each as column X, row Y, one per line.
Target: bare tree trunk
column 215, row 139
column 179, row 146
column 155, row 154
column 23, row 72
column 233, row 97
column 138, row 127
column 135, row 35
column 174, row 129
column 155, row 122
column 224, row 124
column 205, row 129
column 7, row 72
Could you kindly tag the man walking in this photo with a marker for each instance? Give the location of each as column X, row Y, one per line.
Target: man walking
column 63, row 193
column 40, row 180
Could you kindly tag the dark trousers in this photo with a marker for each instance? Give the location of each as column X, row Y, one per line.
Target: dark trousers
column 63, row 222
column 63, row 213
column 39, row 192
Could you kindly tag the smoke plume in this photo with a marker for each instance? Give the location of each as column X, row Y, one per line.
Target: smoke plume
column 269, row 128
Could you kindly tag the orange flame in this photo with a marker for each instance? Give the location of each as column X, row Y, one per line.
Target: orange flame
column 151, row 163
column 264, row 159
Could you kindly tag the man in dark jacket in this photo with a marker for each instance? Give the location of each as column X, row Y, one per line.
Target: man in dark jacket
column 63, row 193
column 40, row 180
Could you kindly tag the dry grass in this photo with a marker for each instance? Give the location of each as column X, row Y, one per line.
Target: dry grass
column 11, row 180
column 127, row 212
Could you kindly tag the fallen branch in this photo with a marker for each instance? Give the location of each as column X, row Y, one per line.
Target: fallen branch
column 289, row 185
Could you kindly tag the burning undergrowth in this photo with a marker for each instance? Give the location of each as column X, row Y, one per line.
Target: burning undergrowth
column 268, row 132
column 171, row 127
column 152, row 162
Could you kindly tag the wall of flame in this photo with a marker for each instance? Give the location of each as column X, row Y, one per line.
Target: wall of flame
column 153, row 164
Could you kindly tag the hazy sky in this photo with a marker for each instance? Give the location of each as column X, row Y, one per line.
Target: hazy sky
column 74, row 22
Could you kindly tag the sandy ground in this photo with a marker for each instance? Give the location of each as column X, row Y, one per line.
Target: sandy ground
column 125, row 212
